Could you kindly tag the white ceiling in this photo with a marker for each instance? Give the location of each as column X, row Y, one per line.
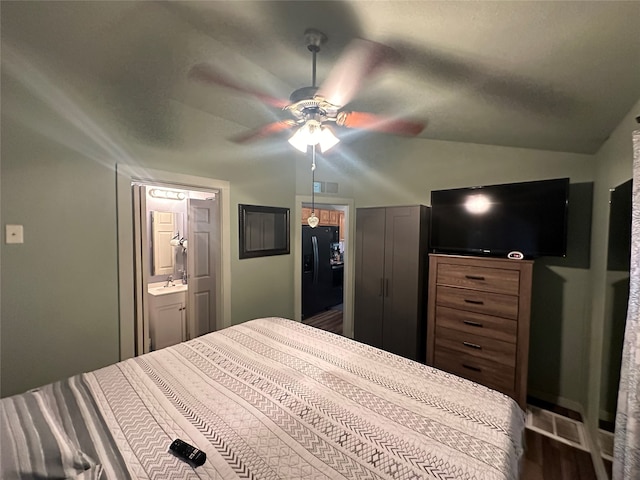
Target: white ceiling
column 547, row 74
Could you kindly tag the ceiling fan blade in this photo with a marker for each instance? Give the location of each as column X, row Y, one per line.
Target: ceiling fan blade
column 378, row 123
column 360, row 60
column 207, row 73
column 264, row 131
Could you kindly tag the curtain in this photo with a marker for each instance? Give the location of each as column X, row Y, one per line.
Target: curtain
column 626, row 461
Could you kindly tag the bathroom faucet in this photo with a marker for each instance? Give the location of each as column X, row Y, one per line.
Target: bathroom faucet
column 169, row 281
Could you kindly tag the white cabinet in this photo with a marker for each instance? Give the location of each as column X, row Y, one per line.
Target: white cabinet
column 167, row 319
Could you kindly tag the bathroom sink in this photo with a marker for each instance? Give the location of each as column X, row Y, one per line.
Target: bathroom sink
column 162, row 290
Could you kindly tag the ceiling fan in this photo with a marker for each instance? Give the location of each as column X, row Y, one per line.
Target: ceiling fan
column 314, row 110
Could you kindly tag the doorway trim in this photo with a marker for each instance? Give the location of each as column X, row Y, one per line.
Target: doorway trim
column 349, row 262
column 125, row 175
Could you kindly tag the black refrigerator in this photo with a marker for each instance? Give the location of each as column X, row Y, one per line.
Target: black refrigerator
column 318, row 286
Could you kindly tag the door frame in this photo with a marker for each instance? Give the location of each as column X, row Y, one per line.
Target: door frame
column 125, row 176
column 349, row 260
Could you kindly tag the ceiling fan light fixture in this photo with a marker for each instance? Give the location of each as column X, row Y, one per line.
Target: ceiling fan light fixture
column 299, row 140
column 327, row 139
column 313, row 133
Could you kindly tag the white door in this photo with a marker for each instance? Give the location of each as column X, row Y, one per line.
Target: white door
column 142, row 269
column 203, row 262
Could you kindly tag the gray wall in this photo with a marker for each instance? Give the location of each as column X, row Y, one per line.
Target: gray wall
column 58, row 180
column 394, row 171
column 62, row 135
column 614, row 165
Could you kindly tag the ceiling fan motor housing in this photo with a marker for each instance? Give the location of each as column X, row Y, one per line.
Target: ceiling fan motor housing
column 304, row 93
column 314, row 39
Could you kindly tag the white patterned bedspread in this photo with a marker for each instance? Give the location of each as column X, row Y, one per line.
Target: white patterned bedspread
column 267, row 399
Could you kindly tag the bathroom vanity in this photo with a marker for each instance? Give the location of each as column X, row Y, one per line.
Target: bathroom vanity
column 167, row 315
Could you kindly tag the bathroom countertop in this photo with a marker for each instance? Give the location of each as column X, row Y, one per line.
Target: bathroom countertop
column 159, row 288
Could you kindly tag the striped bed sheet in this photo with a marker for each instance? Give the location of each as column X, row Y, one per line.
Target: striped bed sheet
column 267, row 399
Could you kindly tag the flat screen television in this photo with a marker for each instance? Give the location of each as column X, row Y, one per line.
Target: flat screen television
column 494, row 220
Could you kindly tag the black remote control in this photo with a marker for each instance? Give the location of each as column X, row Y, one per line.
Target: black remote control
column 188, row 452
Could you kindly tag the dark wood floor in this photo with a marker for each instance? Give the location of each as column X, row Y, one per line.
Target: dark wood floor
column 545, row 458
column 330, row 320
column 549, row 459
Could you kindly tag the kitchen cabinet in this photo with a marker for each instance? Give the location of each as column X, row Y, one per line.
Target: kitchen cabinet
column 334, row 218
column 167, row 319
column 391, row 260
column 478, row 320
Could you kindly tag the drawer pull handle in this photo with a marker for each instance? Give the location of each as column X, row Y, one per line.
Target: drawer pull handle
column 474, row 277
column 472, row 345
column 473, row 324
column 469, row 367
column 475, row 302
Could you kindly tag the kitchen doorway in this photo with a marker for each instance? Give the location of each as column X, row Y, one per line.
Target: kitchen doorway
column 323, row 266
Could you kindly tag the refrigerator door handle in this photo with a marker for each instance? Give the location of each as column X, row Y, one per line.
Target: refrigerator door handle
column 314, row 243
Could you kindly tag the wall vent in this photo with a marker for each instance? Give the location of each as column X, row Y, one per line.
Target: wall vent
column 331, row 187
column 557, row 427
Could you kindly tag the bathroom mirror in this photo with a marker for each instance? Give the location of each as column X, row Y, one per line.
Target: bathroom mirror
column 264, row 231
column 166, row 259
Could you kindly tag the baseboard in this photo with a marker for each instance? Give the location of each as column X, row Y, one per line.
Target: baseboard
column 559, row 401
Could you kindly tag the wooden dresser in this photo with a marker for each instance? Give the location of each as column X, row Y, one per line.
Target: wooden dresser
column 478, row 320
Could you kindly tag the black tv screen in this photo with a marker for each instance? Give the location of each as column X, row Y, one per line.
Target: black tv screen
column 527, row 217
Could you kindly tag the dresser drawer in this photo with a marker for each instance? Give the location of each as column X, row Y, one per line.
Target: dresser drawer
column 496, row 280
column 491, row 374
column 477, row 324
column 475, row 301
column 481, row 347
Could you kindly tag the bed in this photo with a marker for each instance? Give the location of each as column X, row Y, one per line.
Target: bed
column 270, row 398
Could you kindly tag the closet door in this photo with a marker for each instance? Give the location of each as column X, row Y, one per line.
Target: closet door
column 402, row 270
column 369, row 281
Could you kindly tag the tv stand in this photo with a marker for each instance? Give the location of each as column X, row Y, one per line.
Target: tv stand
column 478, row 320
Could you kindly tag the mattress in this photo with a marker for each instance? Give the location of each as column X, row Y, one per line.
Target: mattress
column 267, row 399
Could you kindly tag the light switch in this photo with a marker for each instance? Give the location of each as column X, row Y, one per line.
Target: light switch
column 14, row 234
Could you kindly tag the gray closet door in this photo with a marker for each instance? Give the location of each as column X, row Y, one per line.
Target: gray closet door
column 369, row 277
column 391, row 246
column 402, row 269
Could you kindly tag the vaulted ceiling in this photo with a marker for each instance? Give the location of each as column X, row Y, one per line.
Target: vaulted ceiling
column 545, row 74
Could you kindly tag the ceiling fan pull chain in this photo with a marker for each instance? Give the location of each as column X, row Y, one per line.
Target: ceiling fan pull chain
column 313, row 220
column 313, row 179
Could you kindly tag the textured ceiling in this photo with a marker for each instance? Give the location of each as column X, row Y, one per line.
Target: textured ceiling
column 546, row 75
